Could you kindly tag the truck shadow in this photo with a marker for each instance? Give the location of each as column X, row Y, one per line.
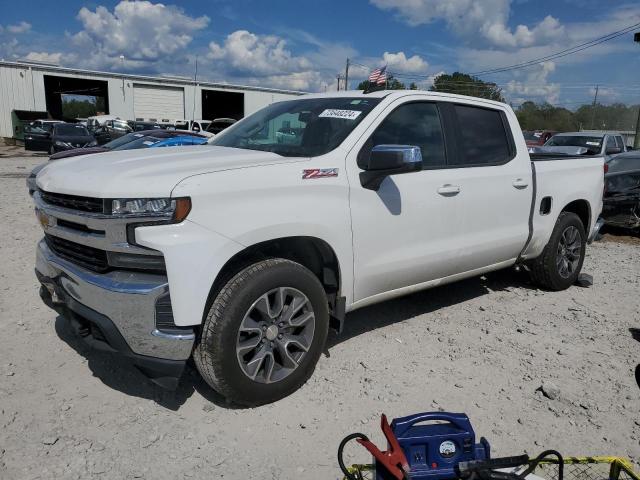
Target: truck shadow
column 117, row 373
column 403, row 308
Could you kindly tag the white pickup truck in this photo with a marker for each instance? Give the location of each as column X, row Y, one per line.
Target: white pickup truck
column 243, row 253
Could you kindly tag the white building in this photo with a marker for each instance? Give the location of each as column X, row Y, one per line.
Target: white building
column 32, row 90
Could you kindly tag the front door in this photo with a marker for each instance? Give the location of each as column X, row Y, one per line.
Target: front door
column 402, row 233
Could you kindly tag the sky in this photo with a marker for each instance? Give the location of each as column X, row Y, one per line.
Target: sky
column 304, row 45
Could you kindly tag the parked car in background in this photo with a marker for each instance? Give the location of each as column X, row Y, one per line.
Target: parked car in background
column 219, row 124
column 68, row 136
column 172, row 137
column 242, row 254
column 537, row 138
column 192, row 125
column 583, row 143
column 622, row 191
column 98, row 120
column 110, row 130
column 151, row 138
column 37, row 135
column 139, row 126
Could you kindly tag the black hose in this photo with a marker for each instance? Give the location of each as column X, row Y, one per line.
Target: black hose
column 536, row 461
column 344, row 441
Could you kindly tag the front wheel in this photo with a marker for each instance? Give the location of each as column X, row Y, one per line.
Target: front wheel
column 264, row 332
column 559, row 265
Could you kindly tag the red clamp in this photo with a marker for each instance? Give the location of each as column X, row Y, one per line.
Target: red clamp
column 393, row 459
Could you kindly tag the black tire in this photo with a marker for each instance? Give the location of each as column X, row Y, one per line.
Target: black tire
column 544, row 270
column 215, row 352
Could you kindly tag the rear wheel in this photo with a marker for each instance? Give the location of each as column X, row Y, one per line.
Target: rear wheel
column 559, row 265
column 264, row 332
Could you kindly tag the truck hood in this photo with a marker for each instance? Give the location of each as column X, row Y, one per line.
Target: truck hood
column 149, row 172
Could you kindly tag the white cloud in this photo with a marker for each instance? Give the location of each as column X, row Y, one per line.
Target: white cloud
column 139, row 30
column 44, row 57
column 264, row 55
column 22, row 27
column 471, row 19
column 535, row 85
column 398, row 62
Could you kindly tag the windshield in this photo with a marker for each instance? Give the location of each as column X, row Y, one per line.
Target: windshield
column 593, row 144
column 70, row 130
column 130, row 137
column 298, row 128
column 140, row 142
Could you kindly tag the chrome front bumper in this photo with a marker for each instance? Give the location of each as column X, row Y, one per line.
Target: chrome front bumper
column 125, row 298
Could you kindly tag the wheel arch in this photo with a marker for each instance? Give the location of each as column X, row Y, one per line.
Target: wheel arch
column 582, row 209
column 313, row 253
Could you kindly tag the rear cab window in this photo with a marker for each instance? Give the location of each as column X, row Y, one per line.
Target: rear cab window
column 483, row 137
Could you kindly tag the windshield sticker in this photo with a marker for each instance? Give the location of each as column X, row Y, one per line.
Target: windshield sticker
column 595, row 144
column 138, row 135
column 344, row 114
column 356, row 102
column 147, row 142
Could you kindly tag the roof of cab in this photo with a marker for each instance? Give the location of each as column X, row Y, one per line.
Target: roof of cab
column 392, row 94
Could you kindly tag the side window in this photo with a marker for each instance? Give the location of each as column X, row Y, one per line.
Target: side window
column 416, row 124
column 482, row 137
column 611, row 142
column 620, row 142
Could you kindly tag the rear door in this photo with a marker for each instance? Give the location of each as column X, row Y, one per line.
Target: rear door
column 493, row 181
column 36, row 138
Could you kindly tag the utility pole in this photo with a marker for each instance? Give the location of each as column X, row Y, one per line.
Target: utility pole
column 593, row 108
column 346, row 76
column 338, row 77
column 636, row 140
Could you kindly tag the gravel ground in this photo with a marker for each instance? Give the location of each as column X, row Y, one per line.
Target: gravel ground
column 532, row 369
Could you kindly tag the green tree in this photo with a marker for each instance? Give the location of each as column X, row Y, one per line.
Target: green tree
column 544, row 116
column 392, row 84
column 464, row 84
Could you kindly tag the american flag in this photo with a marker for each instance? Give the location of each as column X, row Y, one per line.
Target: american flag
column 379, row 75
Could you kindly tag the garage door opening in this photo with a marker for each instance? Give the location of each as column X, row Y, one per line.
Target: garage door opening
column 221, row 104
column 70, row 98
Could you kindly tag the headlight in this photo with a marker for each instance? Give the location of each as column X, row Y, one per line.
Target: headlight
column 92, row 143
column 176, row 209
column 61, row 144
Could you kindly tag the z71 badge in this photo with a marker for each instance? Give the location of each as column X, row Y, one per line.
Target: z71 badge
column 311, row 173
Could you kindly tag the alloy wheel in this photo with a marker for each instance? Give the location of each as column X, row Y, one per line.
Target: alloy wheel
column 275, row 334
column 569, row 249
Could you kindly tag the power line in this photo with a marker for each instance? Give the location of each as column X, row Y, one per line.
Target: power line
column 536, row 61
column 562, row 53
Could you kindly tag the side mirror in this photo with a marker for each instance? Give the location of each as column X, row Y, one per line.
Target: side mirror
column 386, row 160
column 613, row 151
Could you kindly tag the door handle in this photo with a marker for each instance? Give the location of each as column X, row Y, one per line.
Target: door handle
column 449, row 190
column 520, row 183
